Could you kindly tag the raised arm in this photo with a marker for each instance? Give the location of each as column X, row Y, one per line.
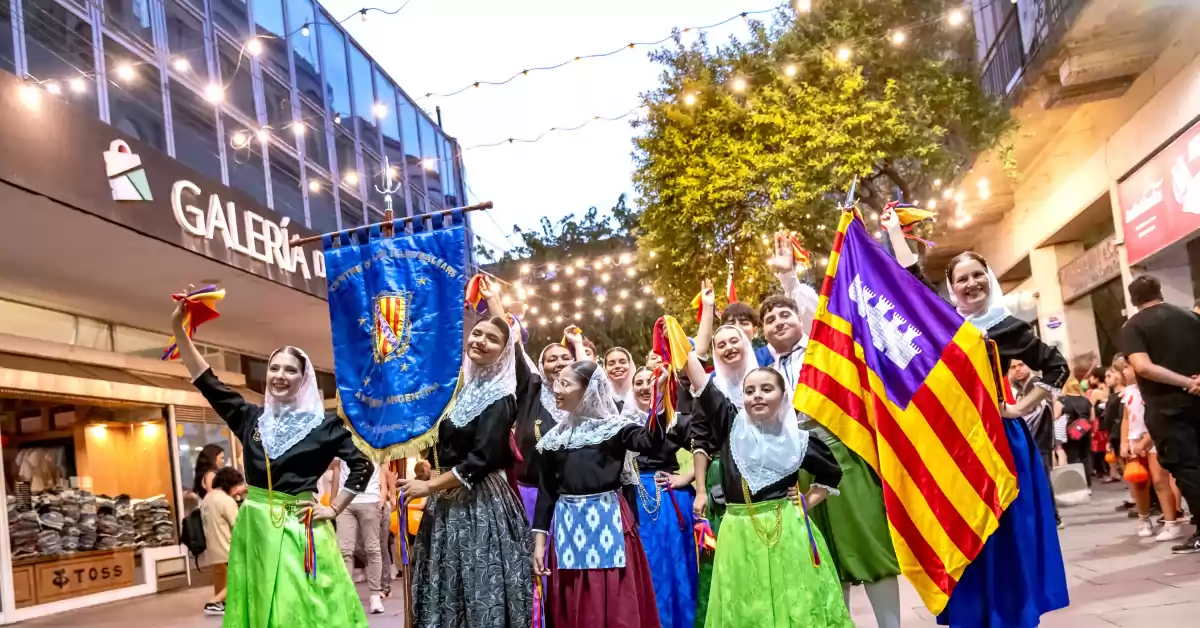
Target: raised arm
column 1135, row 349
column 891, row 224
column 783, row 264
column 704, row 333
column 195, row 363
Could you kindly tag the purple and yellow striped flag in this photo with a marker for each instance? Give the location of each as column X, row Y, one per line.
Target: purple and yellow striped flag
column 904, row 382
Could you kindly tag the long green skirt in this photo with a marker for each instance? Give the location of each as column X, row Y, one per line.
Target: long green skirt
column 713, row 513
column 267, row 586
column 776, row 586
column 854, row 523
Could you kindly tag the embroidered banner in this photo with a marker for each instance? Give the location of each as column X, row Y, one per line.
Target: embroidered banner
column 395, row 306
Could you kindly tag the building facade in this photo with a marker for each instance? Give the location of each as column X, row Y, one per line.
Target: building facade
column 148, row 145
column 1096, row 184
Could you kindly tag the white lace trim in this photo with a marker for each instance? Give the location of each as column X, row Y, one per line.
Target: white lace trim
column 832, row 491
column 279, row 433
column 764, row 458
column 586, row 433
column 485, row 385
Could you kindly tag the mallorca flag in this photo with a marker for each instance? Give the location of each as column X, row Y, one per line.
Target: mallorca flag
column 904, row 382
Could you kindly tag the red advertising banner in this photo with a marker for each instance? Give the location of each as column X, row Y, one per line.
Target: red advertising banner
column 1160, row 202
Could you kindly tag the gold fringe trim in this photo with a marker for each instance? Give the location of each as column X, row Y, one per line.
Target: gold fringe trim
column 409, row 448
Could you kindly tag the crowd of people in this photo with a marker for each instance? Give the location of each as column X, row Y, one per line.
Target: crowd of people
column 559, row 493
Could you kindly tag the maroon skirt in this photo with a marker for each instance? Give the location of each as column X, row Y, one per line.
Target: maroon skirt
column 605, row 598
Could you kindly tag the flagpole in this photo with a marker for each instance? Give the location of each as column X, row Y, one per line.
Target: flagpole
column 404, row 220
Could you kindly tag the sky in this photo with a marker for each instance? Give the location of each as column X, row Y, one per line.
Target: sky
column 442, row 45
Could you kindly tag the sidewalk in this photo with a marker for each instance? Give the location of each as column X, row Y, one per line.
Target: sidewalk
column 1115, row 579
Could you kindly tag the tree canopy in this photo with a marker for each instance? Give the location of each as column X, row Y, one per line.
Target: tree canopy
column 614, row 309
column 746, row 137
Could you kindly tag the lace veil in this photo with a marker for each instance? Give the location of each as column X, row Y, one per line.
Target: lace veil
column 767, row 452
column 282, row 425
column 484, row 385
column 728, row 378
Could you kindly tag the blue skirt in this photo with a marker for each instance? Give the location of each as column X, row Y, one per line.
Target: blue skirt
column 1019, row 575
column 671, row 551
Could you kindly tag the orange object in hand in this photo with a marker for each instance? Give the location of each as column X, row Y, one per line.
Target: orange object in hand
column 416, row 510
column 395, row 522
column 1135, row 472
column 325, row 500
column 1110, row 458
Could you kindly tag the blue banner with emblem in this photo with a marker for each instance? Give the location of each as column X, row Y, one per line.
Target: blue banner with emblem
column 396, row 309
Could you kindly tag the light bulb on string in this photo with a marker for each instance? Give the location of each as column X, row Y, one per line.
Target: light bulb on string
column 689, row 99
column 239, row 140
column 181, row 64
column 947, row 194
column 214, row 93
column 624, row 258
column 570, row 270
column 578, row 316
column 554, row 288
column 350, row 178
column 254, row 47
column 31, row 96
column 618, row 308
column 550, row 268
column 738, row 85
column 803, row 6
column 578, row 302
column 264, row 134
column 790, row 70
column 596, row 312
column 314, row 186
column 580, row 263
column 624, row 294
column 533, row 310
column 898, row 38
column 581, row 282
column 125, row 72
column 53, row 88
column 525, row 269
column 659, row 300
column 600, row 298
column 598, row 265
column 380, row 110
column 638, row 305
column 933, row 204
column 956, row 17
column 937, row 183
column 558, row 319
column 605, row 277
column 337, row 118
column 77, row 85
column 298, row 128
column 543, row 321
column 304, row 30
column 843, row 54
column 652, row 254
column 631, row 272
column 554, row 306
column 645, row 289
column 362, row 14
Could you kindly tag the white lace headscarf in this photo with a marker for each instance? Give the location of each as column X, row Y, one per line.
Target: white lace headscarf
column 767, row 452
column 622, row 388
column 283, row 424
column 547, row 394
column 728, row 378
column 637, row 402
column 995, row 310
column 593, row 422
column 484, row 384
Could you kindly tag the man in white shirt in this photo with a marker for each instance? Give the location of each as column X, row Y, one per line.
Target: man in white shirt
column 787, row 320
column 364, row 518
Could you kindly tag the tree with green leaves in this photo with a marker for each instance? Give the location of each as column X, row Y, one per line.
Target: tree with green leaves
column 748, row 137
column 614, row 309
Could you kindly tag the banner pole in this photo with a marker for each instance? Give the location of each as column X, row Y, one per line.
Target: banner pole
column 297, row 241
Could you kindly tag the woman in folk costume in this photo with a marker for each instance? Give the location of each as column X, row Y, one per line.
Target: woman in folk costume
column 471, row 557
column 598, row 572
column 772, row 567
column 1018, row 575
column 665, row 522
column 618, row 364
column 285, row 568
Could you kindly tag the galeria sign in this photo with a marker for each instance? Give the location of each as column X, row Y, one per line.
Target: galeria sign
column 252, row 235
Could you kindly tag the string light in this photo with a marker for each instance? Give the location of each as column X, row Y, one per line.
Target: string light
column 803, row 6
column 790, row 70
column 898, row 38
column 933, row 204
column 659, row 300
column 181, row 64
column 525, row 269
column 843, row 54
column 624, row 294
column 554, row 306
column 570, row 271
column 78, row 85
column 125, row 72
column 363, row 14
column 578, row 302
column 596, row 313
column 645, row 289
column 298, row 129
column 598, row 265
column 653, row 254
column 554, row 288
column 533, row 310
column 380, row 110
column 214, row 93
column 947, row 194
column 239, row 140
column 638, row 305
column 254, row 47
column 53, row 88
column 956, row 17
column 555, row 129
column 304, row 30
column 618, row 308
column 579, row 283
column 264, row 134
column 631, row 272
column 350, row 178
column 689, row 99
column 738, row 85
column 937, row 183
column 558, row 319
column 31, row 96
column 314, row 186
column 604, row 278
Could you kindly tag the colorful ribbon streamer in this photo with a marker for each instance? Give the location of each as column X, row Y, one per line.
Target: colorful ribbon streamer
column 675, row 503
column 706, row 539
column 403, row 538
column 310, row 547
column 200, row 306
column 475, row 298
column 812, row 540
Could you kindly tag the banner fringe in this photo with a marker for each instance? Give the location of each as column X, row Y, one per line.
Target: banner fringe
column 413, row 446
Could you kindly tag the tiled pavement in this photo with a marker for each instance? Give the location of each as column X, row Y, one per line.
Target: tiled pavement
column 1115, row 579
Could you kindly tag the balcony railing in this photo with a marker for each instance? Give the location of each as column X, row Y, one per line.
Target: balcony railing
column 1007, row 60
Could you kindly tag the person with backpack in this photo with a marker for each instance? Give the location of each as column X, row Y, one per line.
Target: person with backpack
column 218, row 512
column 1078, row 411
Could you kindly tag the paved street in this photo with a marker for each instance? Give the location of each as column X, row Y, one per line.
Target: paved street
column 1115, row 580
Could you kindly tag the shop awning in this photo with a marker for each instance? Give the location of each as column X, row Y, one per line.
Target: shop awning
column 23, row 376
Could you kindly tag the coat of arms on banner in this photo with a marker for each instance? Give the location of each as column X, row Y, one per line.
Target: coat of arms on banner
column 395, row 308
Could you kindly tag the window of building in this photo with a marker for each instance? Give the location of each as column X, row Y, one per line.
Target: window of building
column 269, row 28
column 304, row 49
column 237, row 79
column 412, row 145
column 320, row 202
column 233, row 17
column 130, row 17
column 989, row 19
column 278, row 100
column 58, row 45
column 335, row 74
column 347, row 164
column 195, row 125
column 316, row 147
column 285, row 185
column 7, row 56
column 244, row 160
column 364, row 96
column 135, row 98
column 185, row 38
column 449, row 183
column 430, row 162
column 352, row 209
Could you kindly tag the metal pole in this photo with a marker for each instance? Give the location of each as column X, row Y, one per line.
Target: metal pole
column 405, row 220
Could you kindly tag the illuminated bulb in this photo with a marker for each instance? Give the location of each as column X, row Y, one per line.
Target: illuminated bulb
column 214, row 93
column 843, row 54
column 181, row 64
column 298, row 128
column 803, row 6
column 617, row 308
column 554, row 287
column 578, row 316
column 638, row 305
column 506, row 300
column 543, row 321
column 570, row 270
column 984, row 192
column 624, row 294
column 739, row 84
column 554, row 306
column 960, row 197
column 351, row 178
column 529, row 291
column 652, row 254
column 645, row 289
column 790, row 70
column 314, row 186
column 659, row 300
column 581, row 282
column 77, row 85
column 54, row 88
column 598, row 265
column 947, row 194
column 933, row 204
column 600, row 298
column 689, row 99
column 240, row 139
column 632, row 272
column 304, row 30
column 578, row 302
column 604, row 278
column 31, row 96
column 394, row 172
column 362, row 14
column 525, row 269
column 264, row 134
column 596, row 312
column 956, row 17
column 429, row 163
column 558, row 319
column 937, row 183
column 624, row 258
column 898, row 38
column 983, row 183
column 254, row 47
column 337, row 118
column 125, row 72
column 533, row 310
column 550, row 267
column 380, row 110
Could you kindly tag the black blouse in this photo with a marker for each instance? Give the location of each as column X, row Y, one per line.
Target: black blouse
column 663, row 458
column 532, row 419
column 479, row 447
column 588, row 470
column 719, row 414
column 299, row 468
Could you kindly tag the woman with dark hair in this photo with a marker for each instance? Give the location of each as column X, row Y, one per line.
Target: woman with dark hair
column 219, row 512
column 471, row 557
column 772, row 567
column 1018, row 575
column 284, row 536
column 598, row 572
column 210, row 460
column 618, row 364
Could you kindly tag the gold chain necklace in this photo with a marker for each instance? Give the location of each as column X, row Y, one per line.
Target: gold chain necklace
column 769, row 538
column 645, row 495
column 281, row 518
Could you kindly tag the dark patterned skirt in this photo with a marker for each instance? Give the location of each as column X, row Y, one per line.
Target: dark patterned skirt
column 472, row 565
column 605, row 598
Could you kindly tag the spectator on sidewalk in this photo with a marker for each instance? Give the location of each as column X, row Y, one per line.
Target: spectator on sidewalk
column 219, row 511
column 1162, row 342
column 1040, row 420
column 1078, row 411
column 364, row 519
column 1098, row 393
column 1137, row 445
